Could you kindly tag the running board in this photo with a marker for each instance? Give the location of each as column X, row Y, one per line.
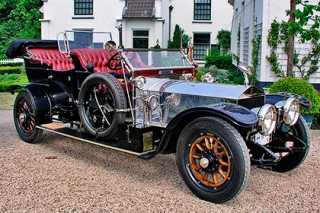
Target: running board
column 74, row 134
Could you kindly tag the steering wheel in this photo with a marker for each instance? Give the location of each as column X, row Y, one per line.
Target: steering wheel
column 114, row 62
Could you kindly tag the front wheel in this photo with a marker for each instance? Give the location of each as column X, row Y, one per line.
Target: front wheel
column 213, row 159
column 295, row 141
column 25, row 119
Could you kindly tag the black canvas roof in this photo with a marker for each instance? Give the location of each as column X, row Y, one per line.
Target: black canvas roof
column 16, row 46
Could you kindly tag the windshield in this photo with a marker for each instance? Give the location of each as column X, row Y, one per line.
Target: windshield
column 70, row 40
column 156, row 58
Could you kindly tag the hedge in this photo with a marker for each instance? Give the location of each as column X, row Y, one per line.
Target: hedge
column 300, row 87
column 13, row 79
column 12, row 64
column 10, row 70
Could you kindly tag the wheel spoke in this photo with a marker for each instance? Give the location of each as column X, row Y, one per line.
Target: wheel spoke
column 200, row 147
column 196, row 156
column 197, row 168
column 215, row 178
column 205, row 177
column 215, row 146
column 220, row 153
column 221, row 172
column 208, row 145
column 223, row 163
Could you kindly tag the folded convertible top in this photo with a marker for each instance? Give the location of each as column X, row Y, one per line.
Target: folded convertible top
column 16, row 46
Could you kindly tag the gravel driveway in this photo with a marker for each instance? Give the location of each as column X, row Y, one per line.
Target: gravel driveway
column 61, row 174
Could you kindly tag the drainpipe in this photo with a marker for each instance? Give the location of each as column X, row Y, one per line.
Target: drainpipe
column 170, row 10
column 119, row 27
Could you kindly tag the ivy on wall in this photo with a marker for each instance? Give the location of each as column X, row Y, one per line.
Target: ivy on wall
column 256, row 45
column 307, row 64
column 306, row 28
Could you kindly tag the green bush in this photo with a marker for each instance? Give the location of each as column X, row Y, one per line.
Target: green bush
column 10, row 70
column 300, row 87
column 8, row 80
column 12, row 64
column 235, row 78
column 219, row 75
column 221, row 61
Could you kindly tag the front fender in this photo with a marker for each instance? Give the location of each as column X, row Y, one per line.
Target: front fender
column 237, row 115
column 273, row 98
column 40, row 100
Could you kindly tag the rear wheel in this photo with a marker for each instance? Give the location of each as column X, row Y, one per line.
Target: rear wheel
column 25, row 119
column 100, row 97
column 213, row 159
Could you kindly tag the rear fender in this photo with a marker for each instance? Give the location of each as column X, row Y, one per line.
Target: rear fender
column 40, row 100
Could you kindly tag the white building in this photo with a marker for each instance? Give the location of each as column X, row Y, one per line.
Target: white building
column 144, row 22
column 254, row 17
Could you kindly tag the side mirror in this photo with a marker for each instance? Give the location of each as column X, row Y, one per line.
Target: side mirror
column 110, row 46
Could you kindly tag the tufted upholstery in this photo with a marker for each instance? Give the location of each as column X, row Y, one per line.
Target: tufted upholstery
column 99, row 58
column 53, row 58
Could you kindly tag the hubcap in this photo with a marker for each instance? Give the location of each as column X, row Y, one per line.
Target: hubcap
column 22, row 117
column 204, row 162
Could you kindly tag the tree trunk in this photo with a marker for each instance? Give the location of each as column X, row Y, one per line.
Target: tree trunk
column 291, row 40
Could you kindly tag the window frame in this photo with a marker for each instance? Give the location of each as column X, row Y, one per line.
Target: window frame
column 85, row 9
column 140, row 37
column 207, row 45
column 199, row 16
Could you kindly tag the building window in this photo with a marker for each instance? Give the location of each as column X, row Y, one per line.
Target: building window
column 83, row 7
column 141, row 39
column 202, row 9
column 201, row 42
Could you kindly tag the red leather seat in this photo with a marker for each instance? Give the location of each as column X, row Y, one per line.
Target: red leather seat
column 52, row 58
column 99, row 58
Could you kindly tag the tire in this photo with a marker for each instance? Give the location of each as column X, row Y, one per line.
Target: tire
column 213, row 159
column 25, row 119
column 110, row 96
column 290, row 161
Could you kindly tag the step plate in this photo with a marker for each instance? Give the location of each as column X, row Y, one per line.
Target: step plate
column 75, row 134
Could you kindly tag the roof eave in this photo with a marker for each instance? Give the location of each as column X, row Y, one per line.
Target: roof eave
column 231, row 2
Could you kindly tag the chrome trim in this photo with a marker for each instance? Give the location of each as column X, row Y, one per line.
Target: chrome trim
column 95, row 143
column 263, row 112
column 286, row 111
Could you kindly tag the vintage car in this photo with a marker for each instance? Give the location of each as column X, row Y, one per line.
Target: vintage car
column 145, row 102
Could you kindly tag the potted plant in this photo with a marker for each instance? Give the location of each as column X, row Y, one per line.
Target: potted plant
column 303, row 88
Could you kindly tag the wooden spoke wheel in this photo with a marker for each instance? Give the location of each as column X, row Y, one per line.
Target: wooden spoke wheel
column 213, row 159
column 210, row 161
column 25, row 119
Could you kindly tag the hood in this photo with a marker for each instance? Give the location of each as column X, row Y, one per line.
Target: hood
column 227, row 91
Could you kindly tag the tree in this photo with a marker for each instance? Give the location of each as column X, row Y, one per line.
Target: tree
column 18, row 19
column 224, row 40
column 176, row 42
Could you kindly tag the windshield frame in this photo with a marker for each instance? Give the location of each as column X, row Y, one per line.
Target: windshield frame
column 189, row 64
